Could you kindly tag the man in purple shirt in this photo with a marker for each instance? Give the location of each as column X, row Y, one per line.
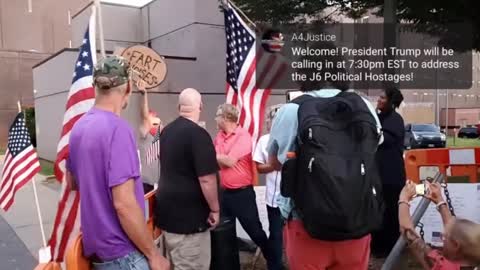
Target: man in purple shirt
column 103, row 165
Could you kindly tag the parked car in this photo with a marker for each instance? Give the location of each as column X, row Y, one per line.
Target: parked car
column 424, row 136
column 468, row 132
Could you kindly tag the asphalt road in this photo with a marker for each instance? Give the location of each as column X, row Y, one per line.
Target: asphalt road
column 13, row 252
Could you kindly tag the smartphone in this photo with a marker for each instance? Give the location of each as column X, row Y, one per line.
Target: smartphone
column 421, row 189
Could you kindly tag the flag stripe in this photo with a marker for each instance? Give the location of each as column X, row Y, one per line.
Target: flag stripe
column 59, row 218
column 20, row 164
column 66, row 128
column 253, row 97
column 74, row 115
column 248, row 69
column 6, row 162
column 20, row 158
column 83, row 98
column 69, row 224
column 80, row 100
column 244, row 94
column 261, row 113
column 30, row 174
column 80, row 106
column 79, row 85
column 16, row 173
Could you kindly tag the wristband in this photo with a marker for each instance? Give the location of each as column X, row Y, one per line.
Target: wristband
column 404, row 202
column 440, row 204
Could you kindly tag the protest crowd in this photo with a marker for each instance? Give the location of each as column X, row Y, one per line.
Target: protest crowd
column 336, row 185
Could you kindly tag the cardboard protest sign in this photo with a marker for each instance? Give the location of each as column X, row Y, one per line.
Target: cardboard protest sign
column 146, row 65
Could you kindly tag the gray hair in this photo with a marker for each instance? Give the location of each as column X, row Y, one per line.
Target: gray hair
column 229, row 112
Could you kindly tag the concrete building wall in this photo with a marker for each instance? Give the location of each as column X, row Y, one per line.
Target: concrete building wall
column 17, row 85
column 48, row 118
column 461, row 117
column 206, row 72
column 50, row 99
column 170, row 15
column 26, row 38
column 122, row 26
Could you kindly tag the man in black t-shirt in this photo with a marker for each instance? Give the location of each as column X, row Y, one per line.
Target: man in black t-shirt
column 187, row 197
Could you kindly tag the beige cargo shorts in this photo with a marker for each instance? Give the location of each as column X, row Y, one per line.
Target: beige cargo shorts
column 186, row 251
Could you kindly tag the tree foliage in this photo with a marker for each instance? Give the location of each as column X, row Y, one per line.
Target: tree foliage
column 431, row 16
column 30, row 123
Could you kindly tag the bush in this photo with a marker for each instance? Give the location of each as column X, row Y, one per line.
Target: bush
column 30, row 122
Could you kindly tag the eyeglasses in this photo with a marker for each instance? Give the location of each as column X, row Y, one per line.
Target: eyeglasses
column 273, row 113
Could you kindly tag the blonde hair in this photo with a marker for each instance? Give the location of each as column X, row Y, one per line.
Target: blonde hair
column 467, row 234
column 229, row 112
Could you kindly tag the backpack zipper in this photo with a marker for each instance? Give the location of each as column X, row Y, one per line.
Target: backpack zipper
column 362, row 171
column 310, row 164
column 310, row 133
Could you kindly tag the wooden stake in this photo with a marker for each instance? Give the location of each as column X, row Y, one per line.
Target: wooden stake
column 100, row 28
column 39, row 213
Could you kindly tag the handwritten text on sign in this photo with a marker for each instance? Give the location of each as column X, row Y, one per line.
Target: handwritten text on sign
column 147, row 65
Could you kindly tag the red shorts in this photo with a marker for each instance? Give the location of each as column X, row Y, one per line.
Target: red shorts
column 306, row 253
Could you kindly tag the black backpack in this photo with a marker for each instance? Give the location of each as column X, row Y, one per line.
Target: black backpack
column 334, row 181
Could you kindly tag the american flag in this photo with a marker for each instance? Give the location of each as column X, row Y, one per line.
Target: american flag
column 153, row 151
column 243, row 64
column 437, row 237
column 80, row 99
column 21, row 162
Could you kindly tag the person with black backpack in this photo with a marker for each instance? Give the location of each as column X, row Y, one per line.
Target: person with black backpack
column 325, row 142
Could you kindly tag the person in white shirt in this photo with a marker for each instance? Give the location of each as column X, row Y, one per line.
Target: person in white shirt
column 273, row 178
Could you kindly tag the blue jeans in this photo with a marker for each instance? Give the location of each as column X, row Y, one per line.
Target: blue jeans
column 132, row 261
column 275, row 239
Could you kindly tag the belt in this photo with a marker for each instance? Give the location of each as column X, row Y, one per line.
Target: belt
column 235, row 190
column 95, row 259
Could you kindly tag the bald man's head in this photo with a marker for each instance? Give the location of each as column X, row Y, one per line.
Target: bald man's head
column 190, row 103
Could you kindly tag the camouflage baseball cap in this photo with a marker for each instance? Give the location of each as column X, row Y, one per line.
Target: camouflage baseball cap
column 110, row 72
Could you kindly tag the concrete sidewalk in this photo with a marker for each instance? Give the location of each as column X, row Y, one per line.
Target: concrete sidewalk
column 22, row 219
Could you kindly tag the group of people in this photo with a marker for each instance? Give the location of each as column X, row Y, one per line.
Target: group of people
column 200, row 179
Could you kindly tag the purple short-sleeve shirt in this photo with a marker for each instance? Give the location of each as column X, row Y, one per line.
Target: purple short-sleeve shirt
column 103, row 154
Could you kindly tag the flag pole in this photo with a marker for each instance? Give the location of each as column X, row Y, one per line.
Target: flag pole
column 241, row 12
column 37, row 204
column 100, row 28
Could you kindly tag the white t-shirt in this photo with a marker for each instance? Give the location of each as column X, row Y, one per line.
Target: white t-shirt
column 272, row 179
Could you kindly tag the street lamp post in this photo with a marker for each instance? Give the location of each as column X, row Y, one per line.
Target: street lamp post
column 446, row 113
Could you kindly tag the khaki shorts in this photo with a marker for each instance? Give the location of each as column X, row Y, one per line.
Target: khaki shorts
column 186, row 251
